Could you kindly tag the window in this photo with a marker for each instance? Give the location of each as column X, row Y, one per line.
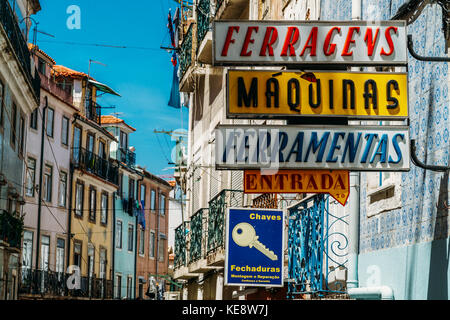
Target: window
column 79, row 195
column 141, row 241
column 143, row 194
column 102, row 263
column 92, row 204
column 119, row 234
column 118, row 286
column 45, row 252
column 27, row 250
column 153, row 200
column 131, row 189
column 129, row 287
column 130, row 237
column 2, row 102
column 77, row 254
column 90, row 143
column 13, row 125
column 65, row 131
column 161, row 247
column 102, row 150
column 141, row 288
column 60, row 249
column 48, row 176
column 34, row 119
column 21, row 135
column 50, row 120
column 91, row 261
column 76, row 144
column 41, row 66
column 31, row 177
column 104, row 208
column 151, row 244
column 120, row 191
column 62, row 189
column 123, row 140
column 162, row 204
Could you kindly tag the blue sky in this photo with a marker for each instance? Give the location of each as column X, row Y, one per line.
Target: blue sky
column 142, row 77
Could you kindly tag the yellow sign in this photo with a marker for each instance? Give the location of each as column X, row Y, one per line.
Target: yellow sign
column 356, row 95
column 336, row 182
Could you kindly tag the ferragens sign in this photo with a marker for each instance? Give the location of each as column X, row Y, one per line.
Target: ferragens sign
column 309, row 42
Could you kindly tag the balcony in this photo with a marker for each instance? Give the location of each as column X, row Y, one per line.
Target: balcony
column 126, row 156
column 19, row 46
column 90, row 162
column 180, row 260
column 232, row 9
column 51, row 284
column 93, row 112
column 51, row 86
column 11, row 228
column 216, row 223
column 186, row 61
column 204, row 32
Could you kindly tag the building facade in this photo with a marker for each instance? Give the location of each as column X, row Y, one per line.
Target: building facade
column 46, row 186
column 153, row 258
column 19, row 97
column 394, row 232
column 125, row 218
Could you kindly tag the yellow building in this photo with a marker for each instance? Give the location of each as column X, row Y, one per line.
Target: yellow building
column 93, row 182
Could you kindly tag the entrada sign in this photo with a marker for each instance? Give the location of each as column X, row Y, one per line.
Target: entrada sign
column 241, row 42
column 336, row 182
column 272, row 94
column 357, row 148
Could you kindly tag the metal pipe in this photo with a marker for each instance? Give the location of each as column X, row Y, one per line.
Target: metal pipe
column 422, row 165
column 41, row 166
column 372, row 293
column 421, row 58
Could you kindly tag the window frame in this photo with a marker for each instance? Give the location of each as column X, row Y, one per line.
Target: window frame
column 48, row 183
column 141, row 249
column 130, row 243
column 92, row 206
column 119, row 234
column 79, row 183
column 13, row 135
column 104, row 210
column 61, row 188
column 151, row 244
column 65, row 137
column 52, row 127
column 33, row 178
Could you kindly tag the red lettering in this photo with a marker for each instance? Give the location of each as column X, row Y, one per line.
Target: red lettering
column 349, row 41
column 229, row 39
column 250, row 182
column 248, row 39
column 291, row 38
column 329, row 49
column 389, row 41
column 269, row 39
column 371, row 41
column 311, row 43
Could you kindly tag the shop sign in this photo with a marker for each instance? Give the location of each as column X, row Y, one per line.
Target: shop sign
column 238, row 42
column 336, row 182
column 355, row 95
column 354, row 148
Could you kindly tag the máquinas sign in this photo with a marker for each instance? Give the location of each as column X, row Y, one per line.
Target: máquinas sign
column 357, row 148
column 240, row 42
column 272, row 94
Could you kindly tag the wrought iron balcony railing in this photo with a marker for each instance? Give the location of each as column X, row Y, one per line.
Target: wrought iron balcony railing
column 216, row 217
column 186, row 52
column 181, row 241
column 93, row 112
column 19, row 44
column 199, row 228
column 11, row 228
column 126, row 156
column 92, row 163
column 203, row 20
column 54, row 284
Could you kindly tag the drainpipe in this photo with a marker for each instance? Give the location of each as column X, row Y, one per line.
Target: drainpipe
column 113, row 248
column 138, row 184
column 354, row 201
column 41, row 166
column 372, row 293
column 69, row 211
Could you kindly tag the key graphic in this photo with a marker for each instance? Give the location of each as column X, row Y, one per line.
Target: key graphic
column 244, row 235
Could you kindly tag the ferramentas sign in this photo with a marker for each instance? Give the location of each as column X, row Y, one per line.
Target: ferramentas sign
column 354, row 148
column 240, row 42
column 357, row 95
